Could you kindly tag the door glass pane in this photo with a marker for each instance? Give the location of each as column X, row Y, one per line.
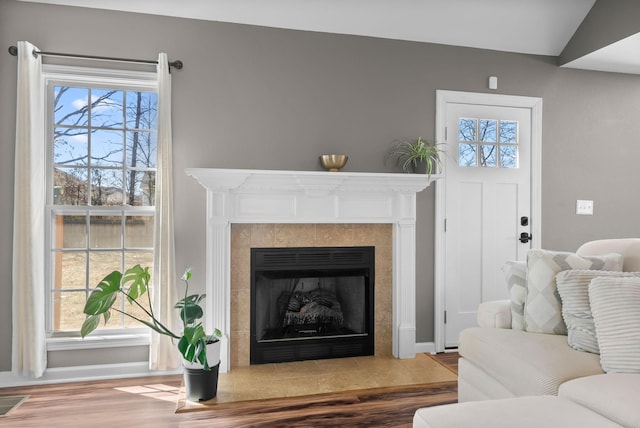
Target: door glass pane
column 488, row 129
column 467, row 129
column 488, row 155
column 467, row 155
column 508, row 131
column 509, row 156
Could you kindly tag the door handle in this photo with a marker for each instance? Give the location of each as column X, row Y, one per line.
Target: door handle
column 525, row 237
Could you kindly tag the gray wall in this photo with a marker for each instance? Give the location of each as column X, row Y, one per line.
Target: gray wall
column 252, row 97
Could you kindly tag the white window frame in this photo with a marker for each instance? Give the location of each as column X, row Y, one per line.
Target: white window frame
column 93, row 77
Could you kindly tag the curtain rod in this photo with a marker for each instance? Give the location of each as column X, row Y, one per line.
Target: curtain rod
column 13, row 50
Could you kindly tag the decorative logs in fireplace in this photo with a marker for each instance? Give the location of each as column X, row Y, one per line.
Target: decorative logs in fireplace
column 311, row 303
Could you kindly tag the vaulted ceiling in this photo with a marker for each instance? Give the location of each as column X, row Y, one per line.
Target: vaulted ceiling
column 541, row 27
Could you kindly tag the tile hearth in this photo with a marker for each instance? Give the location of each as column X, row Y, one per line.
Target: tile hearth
column 299, row 378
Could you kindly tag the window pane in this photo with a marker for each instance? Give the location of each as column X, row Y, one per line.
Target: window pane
column 488, row 155
column 70, row 147
column 467, row 129
column 67, row 310
column 467, row 155
column 508, row 131
column 142, row 258
column 107, row 187
column 69, row 270
column 101, row 264
column 70, row 231
column 106, row 108
column 104, row 154
column 488, row 129
column 106, row 148
column 139, row 232
column 70, row 186
column 106, row 232
column 141, row 149
column 509, row 156
column 70, row 106
column 142, row 109
column 141, row 188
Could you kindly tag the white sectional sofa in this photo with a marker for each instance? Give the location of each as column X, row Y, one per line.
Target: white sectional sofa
column 513, row 377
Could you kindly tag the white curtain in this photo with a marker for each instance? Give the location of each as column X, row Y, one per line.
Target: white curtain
column 163, row 353
column 29, row 356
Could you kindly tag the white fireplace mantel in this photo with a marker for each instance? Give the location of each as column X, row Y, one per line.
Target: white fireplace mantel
column 270, row 196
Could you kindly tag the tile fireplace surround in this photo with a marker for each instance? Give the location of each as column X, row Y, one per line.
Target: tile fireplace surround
column 268, row 208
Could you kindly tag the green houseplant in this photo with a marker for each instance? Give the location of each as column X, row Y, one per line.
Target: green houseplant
column 418, row 156
column 133, row 284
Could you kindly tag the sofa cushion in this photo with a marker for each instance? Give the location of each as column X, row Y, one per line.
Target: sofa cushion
column 615, row 304
column 628, row 247
column 543, row 308
column 526, row 363
column 573, row 286
column 515, row 273
column 614, row 396
column 521, row 412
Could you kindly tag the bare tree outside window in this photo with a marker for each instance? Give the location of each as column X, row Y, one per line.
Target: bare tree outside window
column 104, row 150
column 104, row 146
column 487, row 143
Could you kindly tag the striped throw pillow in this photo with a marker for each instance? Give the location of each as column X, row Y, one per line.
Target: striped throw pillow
column 615, row 304
column 573, row 286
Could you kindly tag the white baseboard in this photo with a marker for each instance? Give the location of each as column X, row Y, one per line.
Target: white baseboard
column 85, row 373
column 426, row 347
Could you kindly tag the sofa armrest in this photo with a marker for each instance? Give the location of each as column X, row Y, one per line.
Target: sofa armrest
column 495, row 314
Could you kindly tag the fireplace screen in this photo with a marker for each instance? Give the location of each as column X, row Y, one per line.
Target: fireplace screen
column 310, row 303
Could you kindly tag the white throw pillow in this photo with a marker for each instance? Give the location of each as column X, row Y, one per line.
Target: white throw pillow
column 543, row 308
column 515, row 273
column 615, row 304
column 573, row 286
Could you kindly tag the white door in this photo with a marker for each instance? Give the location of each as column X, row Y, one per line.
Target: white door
column 487, row 205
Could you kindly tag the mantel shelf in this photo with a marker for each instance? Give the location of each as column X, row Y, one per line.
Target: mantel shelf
column 248, row 180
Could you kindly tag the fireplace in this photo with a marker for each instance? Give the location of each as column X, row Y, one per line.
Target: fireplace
column 311, row 303
column 237, row 196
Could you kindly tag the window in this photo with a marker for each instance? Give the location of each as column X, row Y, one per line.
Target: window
column 102, row 133
column 487, row 143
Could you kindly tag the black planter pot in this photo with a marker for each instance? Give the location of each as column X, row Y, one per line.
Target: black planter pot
column 201, row 385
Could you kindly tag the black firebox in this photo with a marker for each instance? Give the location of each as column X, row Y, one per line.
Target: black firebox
column 311, row 303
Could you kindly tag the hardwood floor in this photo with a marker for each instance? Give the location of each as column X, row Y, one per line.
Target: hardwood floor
column 151, row 402
column 449, row 360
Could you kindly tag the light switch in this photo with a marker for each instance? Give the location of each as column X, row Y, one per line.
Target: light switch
column 584, row 207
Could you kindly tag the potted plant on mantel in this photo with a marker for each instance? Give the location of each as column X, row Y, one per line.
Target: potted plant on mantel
column 419, row 156
column 200, row 352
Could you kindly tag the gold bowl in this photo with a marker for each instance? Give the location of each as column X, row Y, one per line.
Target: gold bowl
column 333, row 162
